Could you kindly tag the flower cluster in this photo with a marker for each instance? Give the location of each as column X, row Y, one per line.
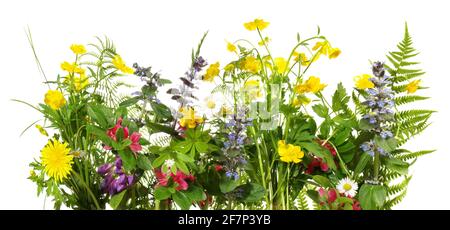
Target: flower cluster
column 380, row 103
column 134, row 137
column 233, row 158
column 115, row 180
column 179, row 178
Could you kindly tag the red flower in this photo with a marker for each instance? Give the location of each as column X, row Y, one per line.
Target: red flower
column 161, row 177
column 332, row 195
column 180, row 179
column 112, row 133
column 135, row 146
column 356, row 205
column 218, row 167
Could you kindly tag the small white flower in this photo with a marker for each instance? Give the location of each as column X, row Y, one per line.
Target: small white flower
column 169, row 162
column 347, row 187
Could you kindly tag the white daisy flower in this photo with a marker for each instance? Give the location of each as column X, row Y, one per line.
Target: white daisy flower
column 169, row 163
column 347, row 187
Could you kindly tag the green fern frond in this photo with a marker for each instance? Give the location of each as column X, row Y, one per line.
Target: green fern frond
column 395, row 200
column 402, row 100
column 414, row 155
column 413, row 113
column 399, row 187
column 302, row 202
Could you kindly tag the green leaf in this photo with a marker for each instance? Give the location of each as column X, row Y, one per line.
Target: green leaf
column 117, row 199
column 365, row 125
column 201, row 147
column 182, row 200
column 160, row 160
column 372, row 197
column 314, row 195
column 162, row 193
column 161, row 110
column 396, row 165
column 388, row 145
column 320, row 110
column 129, row 162
column 195, row 193
column 341, row 136
column 183, row 146
column 227, row 185
column 322, row 181
column 182, row 166
column 144, row 163
column 185, row 158
column 362, row 163
column 129, row 102
column 252, row 192
column 155, row 127
column 340, row 98
column 319, row 151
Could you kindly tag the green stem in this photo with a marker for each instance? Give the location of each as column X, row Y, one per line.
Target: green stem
column 87, row 189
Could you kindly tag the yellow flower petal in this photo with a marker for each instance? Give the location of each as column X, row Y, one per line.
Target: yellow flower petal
column 363, row 82
column 78, row 49
column 412, row 86
column 54, row 99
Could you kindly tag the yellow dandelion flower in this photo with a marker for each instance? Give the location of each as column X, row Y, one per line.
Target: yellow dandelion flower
column 56, row 160
column 290, row 153
column 363, row 82
column 78, row 49
column 120, row 65
column 41, row 130
column 412, row 86
column 251, row 64
column 256, row 24
column 54, row 99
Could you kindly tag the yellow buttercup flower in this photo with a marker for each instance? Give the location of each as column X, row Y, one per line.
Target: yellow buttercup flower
column 280, row 64
column 120, row 65
column 54, row 99
column 212, row 72
column 251, row 64
column 412, row 86
column 189, row 119
column 72, row 68
column 322, row 47
column 41, row 130
column 333, row 53
column 56, row 160
column 312, row 85
column 78, row 49
column 231, row 47
column 290, row 153
column 364, row 82
column 256, row 24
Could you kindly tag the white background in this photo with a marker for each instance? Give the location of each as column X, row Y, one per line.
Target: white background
column 161, row 34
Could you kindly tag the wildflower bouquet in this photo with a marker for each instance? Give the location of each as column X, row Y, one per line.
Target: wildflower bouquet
column 265, row 137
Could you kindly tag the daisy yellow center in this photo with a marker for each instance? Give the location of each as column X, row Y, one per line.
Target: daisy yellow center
column 347, row 187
